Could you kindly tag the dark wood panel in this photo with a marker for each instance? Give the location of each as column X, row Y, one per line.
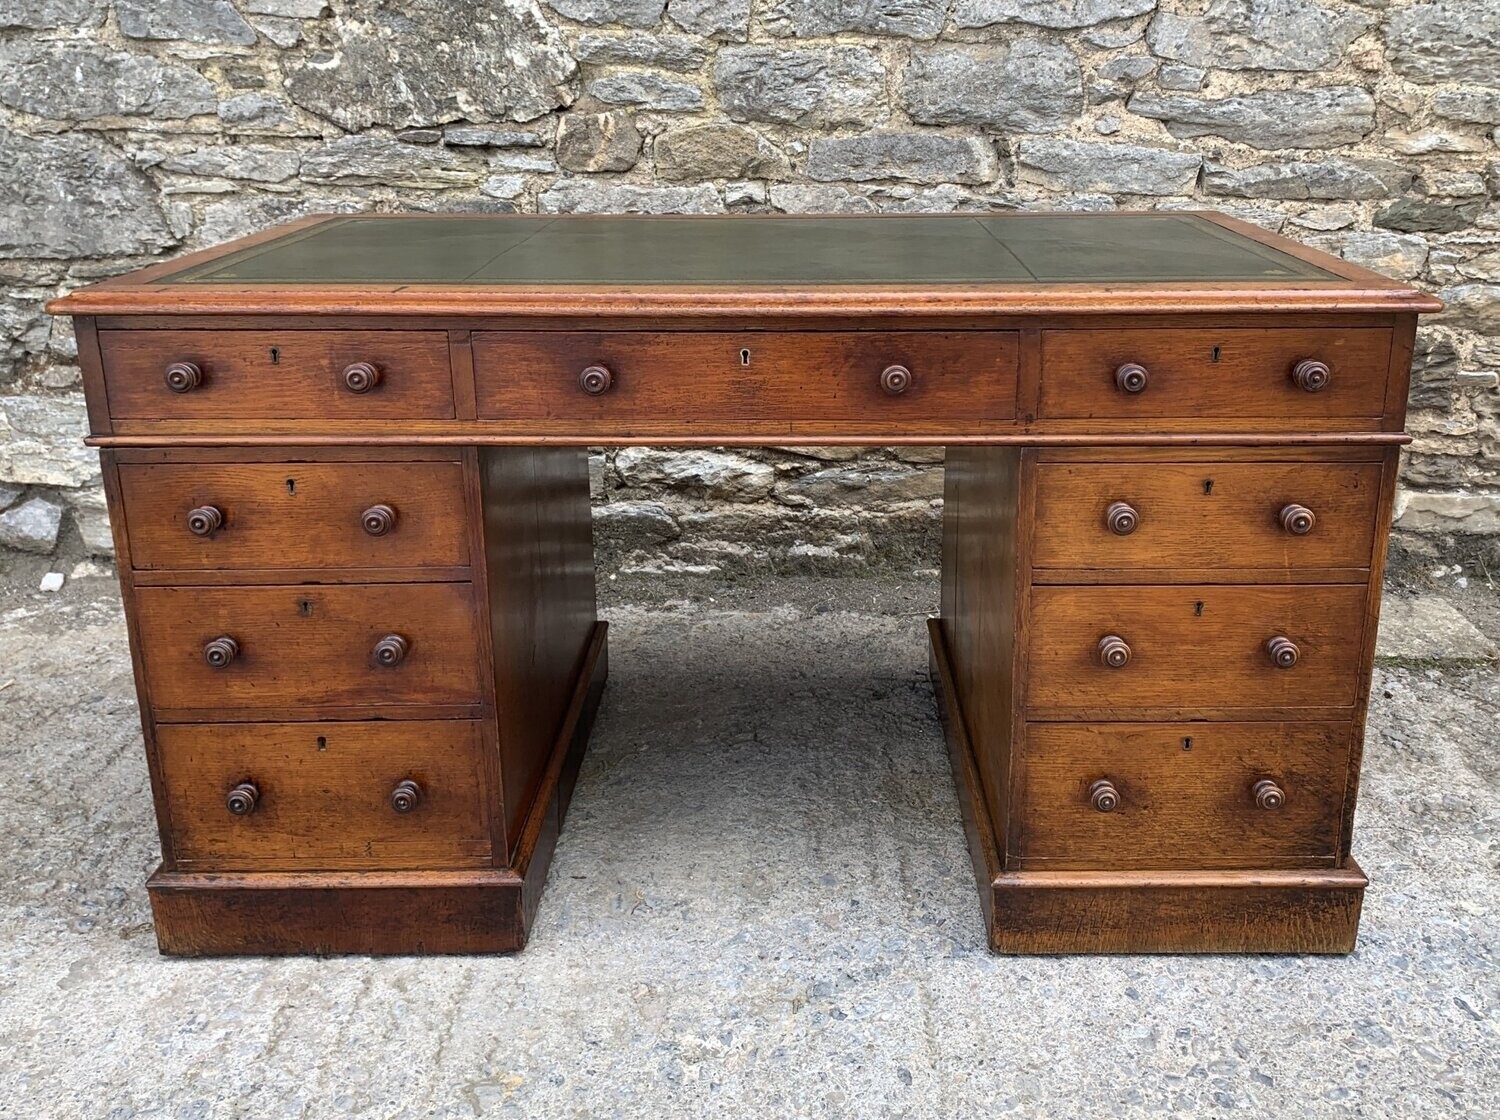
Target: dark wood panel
column 310, row 645
column 1212, row 372
column 1183, row 795
column 1194, row 647
column 1205, row 514
column 290, row 515
column 747, row 375
column 539, row 563
column 323, row 793
column 981, row 552
column 278, row 375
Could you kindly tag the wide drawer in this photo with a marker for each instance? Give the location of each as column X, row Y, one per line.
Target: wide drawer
column 1207, row 373
column 1194, row 646
column 1205, row 515
column 876, row 376
column 277, row 375
column 295, row 515
column 324, row 796
column 1162, row 795
column 362, row 645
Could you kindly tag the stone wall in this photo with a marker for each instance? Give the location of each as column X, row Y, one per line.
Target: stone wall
column 135, row 129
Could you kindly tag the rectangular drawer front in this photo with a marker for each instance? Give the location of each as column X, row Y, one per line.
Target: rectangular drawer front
column 1177, row 807
column 1194, row 646
column 324, row 795
column 798, row 375
column 1207, row 373
column 309, row 645
column 295, row 515
column 278, row 375
column 1205, row 515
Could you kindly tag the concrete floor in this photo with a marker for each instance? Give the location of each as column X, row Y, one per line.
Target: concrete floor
column 762, row 906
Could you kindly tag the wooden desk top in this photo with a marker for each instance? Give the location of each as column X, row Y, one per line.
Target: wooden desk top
column 751, row 265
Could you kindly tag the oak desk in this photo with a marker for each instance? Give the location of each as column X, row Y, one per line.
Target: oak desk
column 346, row 472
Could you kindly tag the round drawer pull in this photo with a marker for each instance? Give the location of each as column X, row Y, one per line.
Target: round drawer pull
column 1114, row 653
column 1297, row 520
column 242, row 799
column 406, row 796
column 1121, row 518
column 204, row 521
column 895, row 380
column 390, row 651
column 182, row 377
column 378, row 520
column 1131, row 378
column 361, row 377
column 1311, row 376
column 219, row 652
column 1283, row 651
column 595, row 380
column 1103, row 796
column 1268, row 795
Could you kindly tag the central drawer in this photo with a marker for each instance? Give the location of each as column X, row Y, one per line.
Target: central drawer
column 1194, row 647
column 324, row 796
column 203, row 516
column 359, row 645
column 875, row 376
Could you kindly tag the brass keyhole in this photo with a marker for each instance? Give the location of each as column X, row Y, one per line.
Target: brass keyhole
column 291, row 486
column 1187, row 742
column 275, row 355
column 322, row 742
column 1198, row 609
column 305, row 608
column 1208, row 486
column 744, row 357
column 1217, row 354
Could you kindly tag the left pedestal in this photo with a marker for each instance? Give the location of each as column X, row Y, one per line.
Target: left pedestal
column 367, row 678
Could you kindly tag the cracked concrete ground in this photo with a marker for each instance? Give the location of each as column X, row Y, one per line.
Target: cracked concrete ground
column 762, row 905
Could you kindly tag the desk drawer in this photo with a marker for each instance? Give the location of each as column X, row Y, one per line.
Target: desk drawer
column 1101, row 516
column 1206, row 373
column 1195, row 646
column 277, row 375
column 198, row 516
column 1180, row 795
column 357, row 645
column 324, row 796
column 797, row 375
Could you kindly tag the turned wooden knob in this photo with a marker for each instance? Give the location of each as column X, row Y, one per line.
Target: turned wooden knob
column 361, row 377
column 595, row 380
column 1311, row 376
column 220, row 651
column 183, row 376
column 895, row 379
column 1103, row 796
column 1283, row 651
column 204, row 521
column 242, row 798
column 405, row 795
column 1297, row 520
column 1114, row 653
column 378, row 520
column 390, row 651
column 1131, row 378
column 1268, row 795
column 1121, row 518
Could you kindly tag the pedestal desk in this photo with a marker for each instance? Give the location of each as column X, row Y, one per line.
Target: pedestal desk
column 346, row 470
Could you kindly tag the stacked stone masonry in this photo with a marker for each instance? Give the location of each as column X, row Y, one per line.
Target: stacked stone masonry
column 135, row 129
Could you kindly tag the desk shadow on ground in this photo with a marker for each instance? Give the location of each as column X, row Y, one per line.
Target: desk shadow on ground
column 782, row 772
